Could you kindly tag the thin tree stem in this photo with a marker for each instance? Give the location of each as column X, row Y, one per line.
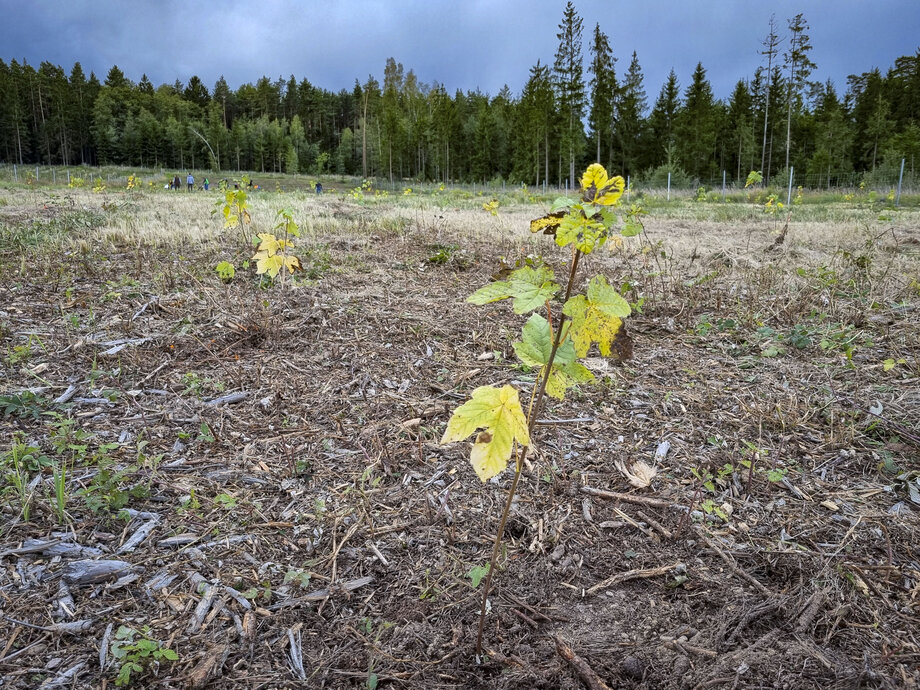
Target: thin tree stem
column 531, row 422
column 496, row 546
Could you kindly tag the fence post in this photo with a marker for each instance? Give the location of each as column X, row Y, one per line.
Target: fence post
column 15, row 173
column 36, row 173
column 723, row 185
column 669, row 186
column 68, row 178
column 789, row 193
column 897, row 201
column 53, row 176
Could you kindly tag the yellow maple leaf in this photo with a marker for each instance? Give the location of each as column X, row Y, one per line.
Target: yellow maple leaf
column 600, row 189
column 269, row 243
column 268, row 263
column 497, row 411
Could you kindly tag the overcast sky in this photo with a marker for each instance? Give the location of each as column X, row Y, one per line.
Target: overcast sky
column 467, row 44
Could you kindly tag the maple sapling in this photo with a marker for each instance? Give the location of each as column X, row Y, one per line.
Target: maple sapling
column 552, row 344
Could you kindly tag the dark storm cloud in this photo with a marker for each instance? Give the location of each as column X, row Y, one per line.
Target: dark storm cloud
column 469, row 45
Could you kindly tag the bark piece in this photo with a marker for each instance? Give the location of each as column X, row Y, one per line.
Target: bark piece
column 86, row 572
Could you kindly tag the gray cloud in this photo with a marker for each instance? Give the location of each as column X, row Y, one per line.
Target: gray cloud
column 476, row 44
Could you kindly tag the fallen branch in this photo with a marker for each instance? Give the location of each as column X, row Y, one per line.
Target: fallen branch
column 747, row 577
column 585, row 672
column 322, row 594
column 140, row 534
column 630, row 498
column 632, row 575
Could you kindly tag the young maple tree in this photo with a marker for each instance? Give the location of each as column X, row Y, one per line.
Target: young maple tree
column 553, row 343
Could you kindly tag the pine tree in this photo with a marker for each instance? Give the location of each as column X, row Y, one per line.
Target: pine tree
column 570, row 86
column 832, row 136
column 534, row 124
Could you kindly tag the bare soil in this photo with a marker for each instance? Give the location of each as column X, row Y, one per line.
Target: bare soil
column 301, row 526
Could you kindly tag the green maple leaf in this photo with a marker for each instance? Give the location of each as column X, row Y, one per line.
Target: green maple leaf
column 585, row 233
column 596, row 317
column 534, row 350
column 497, row 411
column 530, row 288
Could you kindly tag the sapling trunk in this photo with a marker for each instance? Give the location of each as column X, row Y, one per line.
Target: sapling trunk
column 520, row 456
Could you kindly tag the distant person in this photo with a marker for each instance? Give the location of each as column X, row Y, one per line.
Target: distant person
column 176, row 184
column 206, row 184
column 319, row 187
column 250, row 184
column 190, row 180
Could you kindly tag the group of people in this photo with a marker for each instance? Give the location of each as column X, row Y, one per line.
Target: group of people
column 176, row 183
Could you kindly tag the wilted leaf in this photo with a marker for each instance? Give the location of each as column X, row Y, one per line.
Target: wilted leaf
column 598, row 188
column 547, row 223
column 268, row 243
column 640, row 475
column 498, row 411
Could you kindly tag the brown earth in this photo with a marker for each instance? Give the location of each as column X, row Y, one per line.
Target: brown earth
column 313, row 533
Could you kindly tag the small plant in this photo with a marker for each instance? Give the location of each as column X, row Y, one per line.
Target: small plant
column 298, row 576
column 98, row 186
column 226, row 501
column 552, row 344
column 18, row 464
column 891, row 363
column 272, row 254
column 225, row 271
column 138, row 654
column 236, row 212
column 76, row 182
column 133, row 182
column 205, row 434
column 491, row 207
column 59, row 476
column 754, row 178
column 24, row 404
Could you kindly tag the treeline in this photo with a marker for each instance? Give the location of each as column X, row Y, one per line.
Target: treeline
column 578, row 109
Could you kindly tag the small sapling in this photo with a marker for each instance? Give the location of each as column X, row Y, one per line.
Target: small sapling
column 551, row 344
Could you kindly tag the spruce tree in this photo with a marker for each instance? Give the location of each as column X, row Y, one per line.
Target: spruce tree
column 799, row 67
column 570, row 86
column 603, row 91
column 662, row 123
column 696, row 127
column 631, row 105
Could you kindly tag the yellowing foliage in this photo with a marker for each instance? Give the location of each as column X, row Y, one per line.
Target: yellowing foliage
column 596, row 317
column 271, row 255
column 497, row 411
column 597, row 188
